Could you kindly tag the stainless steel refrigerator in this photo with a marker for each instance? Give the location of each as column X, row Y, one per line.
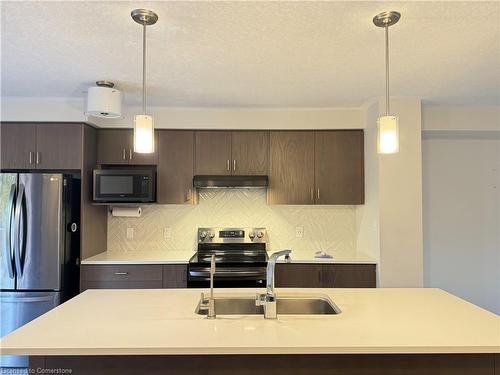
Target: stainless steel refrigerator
column 39, row 239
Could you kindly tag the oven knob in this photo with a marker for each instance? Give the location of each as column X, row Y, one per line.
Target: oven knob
column 203, row 235
column 260, row 234
column 251, row 235
column 212, row 235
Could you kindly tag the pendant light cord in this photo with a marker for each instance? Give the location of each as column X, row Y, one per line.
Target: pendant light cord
column 144, row 70
column 387, row 108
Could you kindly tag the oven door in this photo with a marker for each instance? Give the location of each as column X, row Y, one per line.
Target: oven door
column 227, row 277
column 123, row 185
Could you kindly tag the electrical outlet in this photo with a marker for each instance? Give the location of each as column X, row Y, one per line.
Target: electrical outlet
column 130, row 233
column 167, row 233
column 299, row 232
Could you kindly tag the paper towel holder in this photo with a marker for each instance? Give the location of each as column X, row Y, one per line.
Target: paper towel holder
column 132, row 211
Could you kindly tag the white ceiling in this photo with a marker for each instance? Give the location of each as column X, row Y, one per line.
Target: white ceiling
column 254, row 54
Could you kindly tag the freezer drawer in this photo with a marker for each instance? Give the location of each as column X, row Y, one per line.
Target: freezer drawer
column 19, row 308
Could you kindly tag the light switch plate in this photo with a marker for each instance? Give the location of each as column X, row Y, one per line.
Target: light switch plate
column 167, row 233
column 130, row 233
column 299, row 232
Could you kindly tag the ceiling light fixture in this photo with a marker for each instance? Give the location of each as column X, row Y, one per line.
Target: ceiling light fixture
column 144, row 124
column 388, row 126
column 104, row 100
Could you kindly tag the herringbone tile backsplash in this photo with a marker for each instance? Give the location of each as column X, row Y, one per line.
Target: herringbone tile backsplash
column 329, row 228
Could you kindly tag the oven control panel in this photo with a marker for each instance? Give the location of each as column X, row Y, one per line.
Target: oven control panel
column 232, row 235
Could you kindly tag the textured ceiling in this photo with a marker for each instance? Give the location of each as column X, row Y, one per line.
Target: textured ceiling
column 254, row 54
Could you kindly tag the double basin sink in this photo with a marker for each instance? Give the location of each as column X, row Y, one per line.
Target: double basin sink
column 293, row 305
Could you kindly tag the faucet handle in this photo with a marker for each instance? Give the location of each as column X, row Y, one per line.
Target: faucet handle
column 260, row 299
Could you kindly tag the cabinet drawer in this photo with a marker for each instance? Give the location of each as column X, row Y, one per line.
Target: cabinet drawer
column 121, row 273
column 154, row 284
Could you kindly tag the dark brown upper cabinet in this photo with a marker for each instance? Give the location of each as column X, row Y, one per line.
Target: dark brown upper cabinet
column 213, row 153
column 175, row 167
column 339, row 167
column 237, row 153
column 59, row 146
column 317, row 167
column 250, row 153
column 116, row 146
column 41, row 146
column 291, row 168
column 18, row 145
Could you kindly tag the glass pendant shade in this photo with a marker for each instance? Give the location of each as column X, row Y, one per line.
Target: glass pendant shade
column 144, row 134
column 388, row 135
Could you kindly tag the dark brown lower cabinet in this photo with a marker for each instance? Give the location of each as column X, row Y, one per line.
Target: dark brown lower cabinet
column 277, row 364
column 175, row 276
column 310, row 275
column 288, row 275
column 133, row 276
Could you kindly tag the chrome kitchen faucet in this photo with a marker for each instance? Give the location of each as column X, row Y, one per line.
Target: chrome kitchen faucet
column 209, row 304
column 268, row 300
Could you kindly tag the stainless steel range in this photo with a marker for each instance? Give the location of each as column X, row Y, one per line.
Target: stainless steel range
column 240, row 257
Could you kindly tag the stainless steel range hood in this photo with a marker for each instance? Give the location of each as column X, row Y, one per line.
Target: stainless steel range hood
column 210, row 181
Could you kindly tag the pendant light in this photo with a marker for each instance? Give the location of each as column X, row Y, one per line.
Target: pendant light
column 388, row 126
column 144, row 124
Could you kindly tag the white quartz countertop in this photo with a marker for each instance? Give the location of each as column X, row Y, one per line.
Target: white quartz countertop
column 140, row 257
column 304, row 256
column 182, row 257
column 162, row 321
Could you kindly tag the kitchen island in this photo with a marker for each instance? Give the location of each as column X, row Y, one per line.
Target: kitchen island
column 426, row 331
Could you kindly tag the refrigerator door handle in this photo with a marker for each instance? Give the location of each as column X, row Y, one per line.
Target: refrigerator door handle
column 9, row 256
column 20, row 244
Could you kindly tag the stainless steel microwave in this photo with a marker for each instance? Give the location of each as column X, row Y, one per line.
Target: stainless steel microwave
column 124, row 185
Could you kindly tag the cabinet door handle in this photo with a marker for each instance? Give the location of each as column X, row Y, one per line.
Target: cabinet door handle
column 228, row 164
column 37, row 157
column 31, row 157
column 312, row 194
column 234, row 164
column 130, row 153
column 121, row 273
column 123, row 154
column 317, row 194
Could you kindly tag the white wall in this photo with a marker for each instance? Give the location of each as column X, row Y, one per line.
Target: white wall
column 42, row 109
column 461, row 216
column 367, row 215
column 460, row 118
column 390, row 223
column 63, row 109
column 461, row 198
column 400, row 201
